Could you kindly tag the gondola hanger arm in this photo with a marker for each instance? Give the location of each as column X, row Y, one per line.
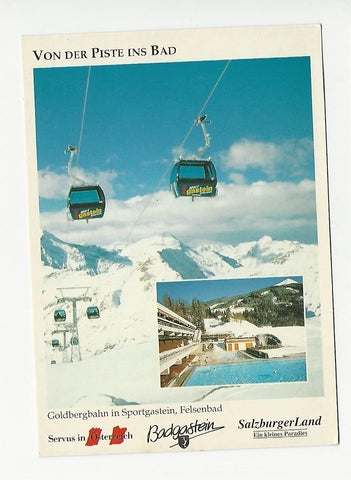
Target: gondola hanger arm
column 73, row 151
column 202, row 121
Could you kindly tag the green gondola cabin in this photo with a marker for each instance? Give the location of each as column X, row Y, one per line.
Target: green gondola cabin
column 59, row 316
column 193, row 178
column 93, row 312
column 86, row 202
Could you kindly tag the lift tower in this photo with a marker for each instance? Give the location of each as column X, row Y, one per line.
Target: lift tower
column 73, row 328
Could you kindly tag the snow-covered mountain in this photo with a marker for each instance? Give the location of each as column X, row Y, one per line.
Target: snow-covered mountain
column 62, row 255
column 121, row 282
column 287, row 281
column 202, row 261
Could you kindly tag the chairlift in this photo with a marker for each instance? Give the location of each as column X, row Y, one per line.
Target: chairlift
column 93, row 312
column 84, row 201
column 59, row 315
column 195, row 176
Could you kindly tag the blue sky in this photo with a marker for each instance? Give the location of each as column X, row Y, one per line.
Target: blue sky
column 205, row 290
column 138, row 115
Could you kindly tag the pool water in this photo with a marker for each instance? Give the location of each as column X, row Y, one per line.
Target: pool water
column 261, row 371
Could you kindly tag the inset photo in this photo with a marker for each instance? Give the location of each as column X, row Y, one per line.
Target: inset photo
column 227, row 332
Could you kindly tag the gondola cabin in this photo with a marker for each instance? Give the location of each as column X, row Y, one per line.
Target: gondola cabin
column 193, row 178
column 93, row 312
column 60, row 316
column 86, row 202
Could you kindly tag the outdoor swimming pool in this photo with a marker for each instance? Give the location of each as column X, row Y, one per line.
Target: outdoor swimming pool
column 261, row 371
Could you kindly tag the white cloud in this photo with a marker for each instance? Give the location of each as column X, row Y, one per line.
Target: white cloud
column 55, row 186
column 239, row 211
column 238, row 178
column 52, row 185
column 245, row 153
column 290, row 156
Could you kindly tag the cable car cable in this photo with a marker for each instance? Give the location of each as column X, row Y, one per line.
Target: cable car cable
column 179, row 149
column 83, row 114
column 204, row 105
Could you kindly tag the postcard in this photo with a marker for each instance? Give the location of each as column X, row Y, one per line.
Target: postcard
column 180, row 244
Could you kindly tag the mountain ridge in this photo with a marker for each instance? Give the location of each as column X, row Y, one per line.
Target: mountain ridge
column 204, row 261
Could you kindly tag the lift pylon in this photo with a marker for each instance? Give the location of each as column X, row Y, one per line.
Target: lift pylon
column 73, row 327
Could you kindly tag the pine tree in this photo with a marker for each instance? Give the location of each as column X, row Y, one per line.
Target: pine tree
column 167, row 301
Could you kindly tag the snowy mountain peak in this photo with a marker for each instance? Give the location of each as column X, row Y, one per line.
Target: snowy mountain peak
column 265, row 241
column 58, row 254
column 288, row 281
column 150, row 245
column 262, row 257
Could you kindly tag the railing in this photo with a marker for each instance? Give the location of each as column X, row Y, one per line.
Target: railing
column 174, row 326
column 169, row 357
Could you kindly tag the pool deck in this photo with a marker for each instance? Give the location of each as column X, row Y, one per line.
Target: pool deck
column 213, row 357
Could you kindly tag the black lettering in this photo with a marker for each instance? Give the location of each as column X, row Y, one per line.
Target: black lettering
column 106, row 53
column 47, row 55
column 138, row 52
column 152, row 435
column 94, row 51
column 154, row 50
column 37, row 55
column 51, row 439
column 76, row 54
